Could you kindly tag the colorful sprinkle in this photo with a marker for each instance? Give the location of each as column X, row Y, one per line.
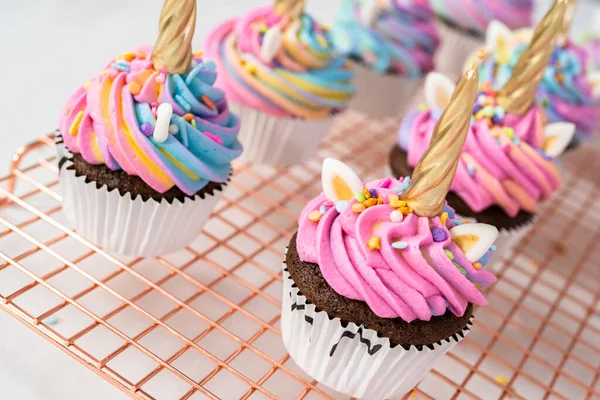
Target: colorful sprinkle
column 214, row 137
column 449, row 254
column 477, row 266
column 545, row 103
column 360, row 197
column 87, row 85
column 400, row 245
column 197, row 54
column 134, row 88
column 471, row 169
column 315, row 216
column 405, row 210
column 173, row 129
column 366, row 192
column 374, row 243
column 323, row 210
column 51, row 320
column 398, row 203
column 444, row 218
column 141, row 54
column 209, row 103
column 508, row 131
column 439, row 234
column 422, row 107
column 370, row 202
column 460, row 268
column 501, row 379
column 341, row 205
column 121, row 66
column 358, row 207
column 493, row 248
column 392, row 198
column 373, row 193
column 401, row 188
column 396, row 216
column 188, row 117
column 147, row 129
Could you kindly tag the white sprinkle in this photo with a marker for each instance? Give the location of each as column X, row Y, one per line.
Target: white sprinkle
column 400, row 245
column 163, row 122
column 173, row 129
column 396, row 216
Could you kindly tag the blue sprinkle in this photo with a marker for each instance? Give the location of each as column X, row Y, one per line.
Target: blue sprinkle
column 182, row 102
column 51, row 320
column 515, row 139
column 493, row 248
column 323, row 210
column 457, row 222
column 373, row 193
column 401, row 188
column 407, row 180
column 341, row 205
column 471, row 169
column 121, row 67
column 485, row 258
column 400, row 245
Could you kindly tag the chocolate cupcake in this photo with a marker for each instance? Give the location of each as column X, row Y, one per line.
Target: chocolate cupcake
column 381, row 278
column 146, row 147
column 501, row 177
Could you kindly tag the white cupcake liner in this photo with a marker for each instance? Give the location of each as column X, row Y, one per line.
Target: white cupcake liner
column 278, row 141
column 508, row 239
column 349, row 358
column 379, row 95
column 455, row 47
column 123, row 225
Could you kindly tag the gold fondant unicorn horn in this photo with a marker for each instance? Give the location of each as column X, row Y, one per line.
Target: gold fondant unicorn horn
column 435, row 171
column 173, row 48
column 290, row 8
column 567, row 21
column 519, row 92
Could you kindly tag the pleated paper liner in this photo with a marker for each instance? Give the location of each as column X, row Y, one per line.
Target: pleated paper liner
column 130, row 226
column 455, row 47
column 349, row 358
column 278, row 141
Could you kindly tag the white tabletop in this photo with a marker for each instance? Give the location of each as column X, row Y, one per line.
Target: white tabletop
column 48, row 48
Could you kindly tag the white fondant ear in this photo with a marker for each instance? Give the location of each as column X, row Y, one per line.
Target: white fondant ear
column 524, row 35
column 594, row 79
column 438, row 90
column 500, row 39
column 339, row 181
column 557, row 137
column 272, row 41
column 474, row 239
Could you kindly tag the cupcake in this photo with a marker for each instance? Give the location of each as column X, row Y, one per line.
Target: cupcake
column 462, row 25
column 501, row 178
column 146, row 146
column 566, row 90
column 278, row 67
column 381, row 278
column 392, row 44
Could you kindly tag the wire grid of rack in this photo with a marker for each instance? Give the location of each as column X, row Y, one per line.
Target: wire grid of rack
column 204, row 322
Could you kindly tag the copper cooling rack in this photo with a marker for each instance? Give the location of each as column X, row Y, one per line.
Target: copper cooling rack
column 204, row 322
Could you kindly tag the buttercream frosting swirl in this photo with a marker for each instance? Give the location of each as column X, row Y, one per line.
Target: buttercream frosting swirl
column 475, row 15
column 565, row 89
column 401, row 39
column 304, row 78
column 405, row 266
column 496, row 167
column 110, row 120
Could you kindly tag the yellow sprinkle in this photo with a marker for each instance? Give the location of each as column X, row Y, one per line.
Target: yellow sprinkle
column 370, row 202
column 250, row 68
column 444, row 218
column 405, row 210
column 315, row 216
column 358, row 207
column 87, row 85
column 413, row 394
column 379, row 200
column 501, row 379
column 392, row 198
column 374, row 243
column 398, row 203
column 76, row 122
column 141, row 54
column 322, row 41
column 134, row 88
column 197, row 53
column 366, row 192
column 105, row 72
column 127, row 56
column 68, row 110
column 479, row 115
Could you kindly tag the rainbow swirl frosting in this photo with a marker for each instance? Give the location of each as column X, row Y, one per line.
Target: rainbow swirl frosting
column 375, row 249
column 475, row 15
column 565, row 89
column 402, row 38
column 284, row 67
column 110, row 120
column 496, row 166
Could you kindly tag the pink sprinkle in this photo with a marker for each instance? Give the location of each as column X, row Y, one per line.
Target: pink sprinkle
column 154, row 104
column 154, row 110
column 386, row 183
column 161, row 78
column 214, row 137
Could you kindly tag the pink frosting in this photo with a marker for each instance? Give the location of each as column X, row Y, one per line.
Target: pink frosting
column 494, row 169
column 417, row 282
column 529, row 126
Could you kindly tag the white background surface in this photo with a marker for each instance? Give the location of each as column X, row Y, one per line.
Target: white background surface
column 48, row 48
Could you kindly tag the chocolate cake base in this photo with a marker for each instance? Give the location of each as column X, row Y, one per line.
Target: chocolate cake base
column 124, row 183
column 493, row 215
column 311, row 283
